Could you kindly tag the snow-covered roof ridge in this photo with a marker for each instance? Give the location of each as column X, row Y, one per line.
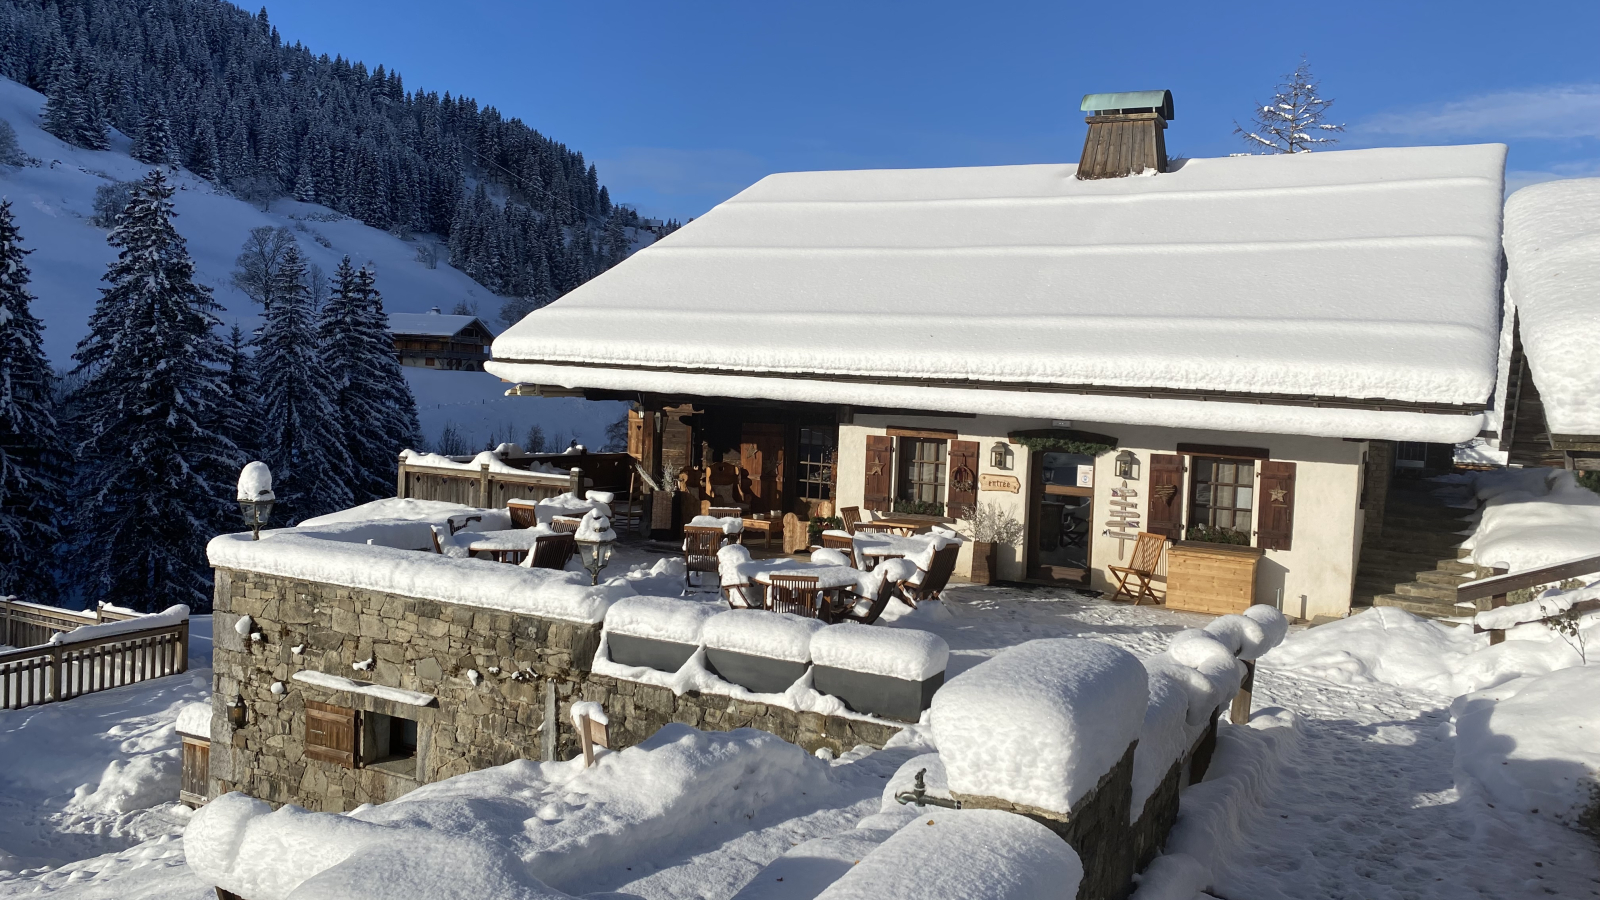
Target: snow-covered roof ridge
column 432, row 324
column 1552, row 241
column 1367, row 275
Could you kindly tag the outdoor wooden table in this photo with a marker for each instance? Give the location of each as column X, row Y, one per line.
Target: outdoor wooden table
column 511, row 546
column 905, row 526
column 872, row 549
column 831, row 580
column 766, row 527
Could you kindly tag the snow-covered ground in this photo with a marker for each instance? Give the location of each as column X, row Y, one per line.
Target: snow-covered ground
column 1354, row 781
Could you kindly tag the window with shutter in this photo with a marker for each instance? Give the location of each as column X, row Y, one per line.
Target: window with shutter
column 1165, row 512
column 880, row 472
column 331, row 734
column 1275, row 524
column 962, row 494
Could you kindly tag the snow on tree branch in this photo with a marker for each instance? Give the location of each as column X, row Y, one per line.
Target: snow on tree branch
column 1292, row 121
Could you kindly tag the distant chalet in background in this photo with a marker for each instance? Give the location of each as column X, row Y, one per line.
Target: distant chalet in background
column 432, row 340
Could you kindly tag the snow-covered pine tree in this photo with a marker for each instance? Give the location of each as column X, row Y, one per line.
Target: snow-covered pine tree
column 155, row 479
column 396, row 426
column 302, row 439
column 153, row 143
column 32, row 462
column 1292, row 121
column 240, row 418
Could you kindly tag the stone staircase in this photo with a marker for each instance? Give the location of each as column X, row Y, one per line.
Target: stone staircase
column 1414, row 564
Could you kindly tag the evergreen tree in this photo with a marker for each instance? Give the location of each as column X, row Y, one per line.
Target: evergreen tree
column 240, row 420
column 155, row 478
column 153, row 143
column 1292, row 121
column 302, row 439
column 398, row 427
column 32, row 464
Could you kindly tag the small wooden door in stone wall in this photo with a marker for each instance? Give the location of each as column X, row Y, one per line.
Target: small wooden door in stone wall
column 761, row 458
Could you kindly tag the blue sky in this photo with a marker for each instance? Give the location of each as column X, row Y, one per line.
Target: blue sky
column 683, row 104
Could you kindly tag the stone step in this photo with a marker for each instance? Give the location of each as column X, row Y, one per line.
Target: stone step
column 1406, row 518
column 1421, row 606
column 1448, row 579
column 1422, row 589
column 1457, row 567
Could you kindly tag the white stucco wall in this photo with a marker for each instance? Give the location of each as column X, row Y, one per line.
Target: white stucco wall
column 1314, row 576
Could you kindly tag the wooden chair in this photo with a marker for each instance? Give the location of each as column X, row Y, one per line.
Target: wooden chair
column 851, row 515
column 700, row 546
column 795, row 594
column 553, row 551
column 845, row 609
column 935, row 579
column 1142, row 568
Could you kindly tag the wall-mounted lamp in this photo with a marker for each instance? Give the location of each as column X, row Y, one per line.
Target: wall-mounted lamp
column 236, row 712
column 1128, row 465
column 1000, row 456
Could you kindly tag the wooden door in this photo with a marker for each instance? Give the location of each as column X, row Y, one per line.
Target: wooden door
column 761, row 458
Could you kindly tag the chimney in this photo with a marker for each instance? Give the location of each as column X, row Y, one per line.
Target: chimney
column 1125, row 134
column 434, row 311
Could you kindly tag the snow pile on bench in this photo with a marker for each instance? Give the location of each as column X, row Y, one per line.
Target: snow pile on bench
column 675, row 619
column 523, row 830
column 1533, row 518
column 172, row 615
column 325, row 557
column 761, row 633
column 1040, row 723
column 892, row 652
column 1552, row 241
column 1532, row 743
column 964, row 854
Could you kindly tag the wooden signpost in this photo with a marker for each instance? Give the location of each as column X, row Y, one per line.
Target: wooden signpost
column 591, row 734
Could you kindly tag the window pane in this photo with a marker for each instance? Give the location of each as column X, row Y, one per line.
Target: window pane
column 1225, row 472
column 1224, row 518
column 1246, row 473
column 1224, row 495
column 1202, row 494
column 1242, row 498
column 1203, row 470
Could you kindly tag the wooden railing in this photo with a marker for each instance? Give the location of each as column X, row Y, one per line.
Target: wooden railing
column 618, row 473
column 1499, row 584
column 47, row 673
column 25, row 624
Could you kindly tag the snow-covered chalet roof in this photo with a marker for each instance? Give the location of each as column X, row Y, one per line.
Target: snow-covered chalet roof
column 1553, row 277
column 431, row 324
column 1314, row 287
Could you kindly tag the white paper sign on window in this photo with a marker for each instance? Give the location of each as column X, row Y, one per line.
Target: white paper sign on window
column 1086, row 476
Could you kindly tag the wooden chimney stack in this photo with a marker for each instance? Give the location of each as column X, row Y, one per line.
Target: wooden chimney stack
column 1125, row 134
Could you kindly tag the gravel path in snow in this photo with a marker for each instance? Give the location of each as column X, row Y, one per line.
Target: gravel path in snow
column 1367, row 807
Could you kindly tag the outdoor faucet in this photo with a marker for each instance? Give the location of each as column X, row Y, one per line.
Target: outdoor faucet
column 919, row 795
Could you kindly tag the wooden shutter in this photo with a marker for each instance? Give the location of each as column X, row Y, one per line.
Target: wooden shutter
column 331, row 733
column 961, row 492
column 1275, row 521
column 1165, row 516
column 880, row 471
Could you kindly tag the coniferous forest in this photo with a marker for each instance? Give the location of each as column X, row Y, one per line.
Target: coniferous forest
column 113, row 479
column 206, row 85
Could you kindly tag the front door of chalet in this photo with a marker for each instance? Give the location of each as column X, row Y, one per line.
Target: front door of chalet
column 1061, row 517
column 761, row 458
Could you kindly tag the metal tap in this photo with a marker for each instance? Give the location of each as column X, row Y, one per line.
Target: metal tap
column 919, row 795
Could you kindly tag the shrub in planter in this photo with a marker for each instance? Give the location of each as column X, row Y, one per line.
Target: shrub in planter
column 888, row 672
column 760, row 651
column 991, row 526
column 656, row 632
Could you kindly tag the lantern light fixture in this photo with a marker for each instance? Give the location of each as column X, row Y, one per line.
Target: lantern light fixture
column 1000, row 456
column 255, row 496
column 1127, row 465
column 596, row 541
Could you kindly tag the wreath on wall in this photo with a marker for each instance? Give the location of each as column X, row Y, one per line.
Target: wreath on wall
column 963, row 480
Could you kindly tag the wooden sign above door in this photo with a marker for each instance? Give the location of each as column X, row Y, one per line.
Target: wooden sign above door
column 999, row 483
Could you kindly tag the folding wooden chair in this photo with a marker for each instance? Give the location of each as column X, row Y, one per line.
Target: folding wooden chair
column 935, row 579
column 700, row 546
column 1142, row 568
column 848, row 608
column 795, row 594
column 851, row 516
column 553, row 551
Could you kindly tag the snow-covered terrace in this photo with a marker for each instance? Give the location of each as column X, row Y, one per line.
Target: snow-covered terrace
column 1351, row 294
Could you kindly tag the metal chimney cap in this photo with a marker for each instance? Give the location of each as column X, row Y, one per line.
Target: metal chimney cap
column 1159, row 102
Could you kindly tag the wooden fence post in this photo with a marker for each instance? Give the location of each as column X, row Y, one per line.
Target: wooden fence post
column 483, row 485
column 575, row 482
column 55, row 673
column 183, row 647
column 1240, row 714
column 1498, row 600
column 5, row 621
column 400, row 479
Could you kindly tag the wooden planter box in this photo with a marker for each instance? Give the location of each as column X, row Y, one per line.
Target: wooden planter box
column 1211, row 578
column 757, row 674
column 878, row 695
column 983, row 562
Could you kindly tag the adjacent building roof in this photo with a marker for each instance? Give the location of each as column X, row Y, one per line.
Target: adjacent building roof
column 432, row 324
column 1552, row 245
column 1327, row 285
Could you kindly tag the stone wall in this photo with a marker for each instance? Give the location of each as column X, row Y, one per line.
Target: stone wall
column 530, row 670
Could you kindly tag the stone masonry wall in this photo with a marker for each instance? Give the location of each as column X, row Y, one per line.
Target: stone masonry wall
column 530, row 669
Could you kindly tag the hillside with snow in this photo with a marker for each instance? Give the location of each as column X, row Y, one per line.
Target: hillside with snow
column 53, row 200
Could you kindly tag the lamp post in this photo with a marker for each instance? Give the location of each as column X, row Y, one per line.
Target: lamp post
column 596, row 541
column 255, row 497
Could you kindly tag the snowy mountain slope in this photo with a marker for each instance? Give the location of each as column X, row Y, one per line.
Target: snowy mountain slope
column 54, row 201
